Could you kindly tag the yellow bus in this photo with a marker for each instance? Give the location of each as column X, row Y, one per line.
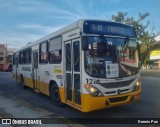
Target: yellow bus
column 89, row 65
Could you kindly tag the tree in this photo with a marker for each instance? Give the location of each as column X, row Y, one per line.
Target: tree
column 145, row 37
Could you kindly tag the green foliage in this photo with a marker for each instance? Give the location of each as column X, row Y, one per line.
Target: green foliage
column 151, row 61
column 145, row 37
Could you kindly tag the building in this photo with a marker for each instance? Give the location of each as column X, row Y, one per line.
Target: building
column 2, row 53
column 5, row 57
column 155, row 54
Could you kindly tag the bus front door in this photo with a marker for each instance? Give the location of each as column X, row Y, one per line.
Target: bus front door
column 73, row 75
column 35, row 70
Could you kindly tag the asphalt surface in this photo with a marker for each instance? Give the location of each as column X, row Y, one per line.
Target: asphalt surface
column 148, row 107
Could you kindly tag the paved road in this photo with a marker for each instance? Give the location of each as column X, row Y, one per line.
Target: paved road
column 148, row 107
column 150, row 73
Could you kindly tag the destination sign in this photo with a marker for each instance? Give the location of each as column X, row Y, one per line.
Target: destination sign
column 108, row 28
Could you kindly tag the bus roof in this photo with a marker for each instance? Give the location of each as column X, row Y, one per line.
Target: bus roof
column 77, row 24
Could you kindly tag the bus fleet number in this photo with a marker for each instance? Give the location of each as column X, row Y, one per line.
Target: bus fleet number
column 92, row 81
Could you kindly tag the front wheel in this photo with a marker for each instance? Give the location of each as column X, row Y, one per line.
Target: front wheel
column 55, row 96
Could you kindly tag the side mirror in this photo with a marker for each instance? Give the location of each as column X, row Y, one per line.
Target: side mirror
column 84, row 43
column 126, row 42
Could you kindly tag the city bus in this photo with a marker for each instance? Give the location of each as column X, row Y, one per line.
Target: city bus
column 88, row 65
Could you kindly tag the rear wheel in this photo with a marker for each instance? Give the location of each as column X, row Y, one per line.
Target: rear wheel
column 55, row 96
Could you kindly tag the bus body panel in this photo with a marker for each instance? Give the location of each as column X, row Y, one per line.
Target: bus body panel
column 96, row 103
column 90, row 103
column 72, row 83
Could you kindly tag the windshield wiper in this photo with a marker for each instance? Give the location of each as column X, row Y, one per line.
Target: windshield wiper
column 125, row 45
column 103, row 39
column 126, row 42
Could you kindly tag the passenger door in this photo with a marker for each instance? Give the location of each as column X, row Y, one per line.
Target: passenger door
column 73, row 75
column 35, row 70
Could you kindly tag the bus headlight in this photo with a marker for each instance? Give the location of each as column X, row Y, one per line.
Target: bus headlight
column 93, row 90
column 137, row 85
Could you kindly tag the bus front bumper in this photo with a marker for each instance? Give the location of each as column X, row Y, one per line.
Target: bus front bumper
column 91, row 103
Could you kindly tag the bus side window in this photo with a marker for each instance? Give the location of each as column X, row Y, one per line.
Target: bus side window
column 55, row 50
column 21, row 57
column 28, row 55
column 43, row 56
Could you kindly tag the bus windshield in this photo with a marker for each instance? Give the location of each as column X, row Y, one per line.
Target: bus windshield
column 110, row 57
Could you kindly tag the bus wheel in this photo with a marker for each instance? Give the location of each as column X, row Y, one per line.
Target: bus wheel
column 55, row 96
column 22, row 83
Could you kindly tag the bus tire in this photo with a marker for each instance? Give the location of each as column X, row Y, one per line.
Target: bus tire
column 22, row 83
column 55, row 96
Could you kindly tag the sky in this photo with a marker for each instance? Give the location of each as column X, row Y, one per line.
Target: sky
column 24, row 21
